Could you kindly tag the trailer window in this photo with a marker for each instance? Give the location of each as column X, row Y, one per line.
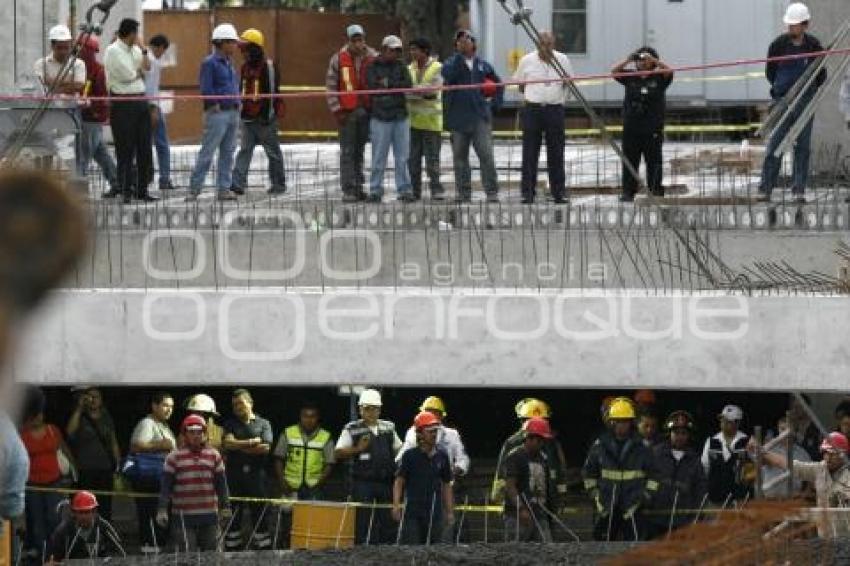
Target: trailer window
column 569, row 24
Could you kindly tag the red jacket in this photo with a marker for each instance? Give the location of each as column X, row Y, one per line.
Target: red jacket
column 97, row 110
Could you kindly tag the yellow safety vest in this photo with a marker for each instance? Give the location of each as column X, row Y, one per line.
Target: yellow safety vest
column 304, row 460
column 426, row 114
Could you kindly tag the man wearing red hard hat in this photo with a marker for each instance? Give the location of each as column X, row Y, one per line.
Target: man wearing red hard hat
column 83, row 534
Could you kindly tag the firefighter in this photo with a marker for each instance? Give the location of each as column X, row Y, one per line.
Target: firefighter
column 84, row 534
column 678, row 471
column 724, row 457
column 527, row 409
column 616, row 475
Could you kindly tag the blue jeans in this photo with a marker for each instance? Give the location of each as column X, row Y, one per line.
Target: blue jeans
column 383, row 134
column 219, row 134
column 41, row 517
column 481, row 139
column 802, row 153
column 163, row 150
column 92, row 147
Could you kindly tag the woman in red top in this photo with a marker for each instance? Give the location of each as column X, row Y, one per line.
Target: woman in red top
column 42, row 442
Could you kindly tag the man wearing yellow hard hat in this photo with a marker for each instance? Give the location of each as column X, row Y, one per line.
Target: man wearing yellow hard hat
column 447, row 438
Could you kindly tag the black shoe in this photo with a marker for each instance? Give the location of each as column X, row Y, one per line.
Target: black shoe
column 277, row 190
column 147, row 198
column 407, row 197
column 127, row 198
column 799, row 199
column 374, row 199
column 350, row 197
column 627, row 198
column 493, row 198
column 236, row 191
column 527, row 200
column 224, row 196
column 463, row 199
column 442, row 195
column 561, row 200
column 167, row 186
column 111, row 193
column 191, row 197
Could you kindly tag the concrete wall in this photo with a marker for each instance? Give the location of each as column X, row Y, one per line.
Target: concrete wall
column 450, row 339
column 24, row 25
column 122, row 9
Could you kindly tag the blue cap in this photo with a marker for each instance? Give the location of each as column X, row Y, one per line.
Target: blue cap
column 354, row 29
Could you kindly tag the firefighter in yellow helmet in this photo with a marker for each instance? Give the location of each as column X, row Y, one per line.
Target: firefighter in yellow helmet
column 616, row 476
column 526, row 409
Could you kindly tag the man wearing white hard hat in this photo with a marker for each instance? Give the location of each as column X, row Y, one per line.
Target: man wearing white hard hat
column 371, row 445
column 723, row 456
column 48, row 68
column 782, row 76
column 218, row 78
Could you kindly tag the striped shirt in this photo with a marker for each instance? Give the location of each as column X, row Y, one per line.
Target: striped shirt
column 195, row 484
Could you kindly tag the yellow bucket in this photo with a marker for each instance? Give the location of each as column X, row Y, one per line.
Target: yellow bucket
column 322, row 524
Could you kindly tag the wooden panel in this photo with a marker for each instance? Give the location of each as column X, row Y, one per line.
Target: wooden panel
column 189, row 34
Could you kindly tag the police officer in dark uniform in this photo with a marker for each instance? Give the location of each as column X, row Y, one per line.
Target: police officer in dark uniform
column 371, row 445
column 643, row 118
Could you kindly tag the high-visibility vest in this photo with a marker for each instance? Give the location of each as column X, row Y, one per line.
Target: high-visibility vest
column 425, row 114
column 304, row 460
column 349, row 79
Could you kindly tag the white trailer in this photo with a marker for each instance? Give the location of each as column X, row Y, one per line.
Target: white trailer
column 596, row 34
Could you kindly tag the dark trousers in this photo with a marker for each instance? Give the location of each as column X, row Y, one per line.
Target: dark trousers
column 383, row 527
column 261, row 133
column 417, row 527
column 622, row 529
column 637, row 144
column 353, row 136
column 146, row 508
column 98, row 480
column 539, row 121
column 250, row 482
column 425, row 143
column 131, row 131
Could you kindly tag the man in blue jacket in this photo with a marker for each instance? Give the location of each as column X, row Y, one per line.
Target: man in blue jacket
column 468, row 116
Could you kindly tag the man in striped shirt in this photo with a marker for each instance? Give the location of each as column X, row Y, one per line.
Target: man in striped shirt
column 193, row 481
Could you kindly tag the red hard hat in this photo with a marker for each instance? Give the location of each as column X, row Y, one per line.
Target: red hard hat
column 538, row 426
column 425, row 419
column 489, row 89
column 194, row 421
column 83, row 501
column 835, row 441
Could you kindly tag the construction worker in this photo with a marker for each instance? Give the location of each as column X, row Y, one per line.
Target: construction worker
column 259, row 76
column 643, row 118
column 84, row 534
column 723, row 459
column 247, row 442
column 221, row 114
column 447, row 438
column 47, row 69
column 831, row 478
column 371, row 445
column 194, row 488
column 543, row 115
column 529, row 492
column 304, row 456
column 424, row 483
column 681, row 480
column 782, row 75
column 345, row 74
column 557, row 463
column 426, row 119
column 204, row 405
column 616, row 475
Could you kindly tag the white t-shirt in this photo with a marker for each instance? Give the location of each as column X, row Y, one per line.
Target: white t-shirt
column 532, row 68
column 47, row 68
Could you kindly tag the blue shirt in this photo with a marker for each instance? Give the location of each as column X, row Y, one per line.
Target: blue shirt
column 14, row 470
column 219, row 77
column 424, row 476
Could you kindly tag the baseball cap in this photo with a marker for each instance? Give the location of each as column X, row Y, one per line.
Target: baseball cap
column 465, row 33
column 393, row 42
column 732, row 413
column 354, row 29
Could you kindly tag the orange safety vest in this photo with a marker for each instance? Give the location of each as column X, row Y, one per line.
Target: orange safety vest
column 349, row 80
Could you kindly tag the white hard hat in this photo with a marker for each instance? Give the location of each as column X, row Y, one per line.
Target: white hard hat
column 225, row 32
column 797, row 13
column 59, row 33
column 732, row 413
column 370, row 397
column 201, row 403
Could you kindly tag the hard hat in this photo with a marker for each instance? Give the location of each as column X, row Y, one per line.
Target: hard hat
column 680, row 419
column 201, row 403
column 835, row 442
column 194, row 422
column 83, row 501
column 644, row 397
column 538, row 426
column 731, row 413
column 424, row 420
column 223, row 32
column 433, row 404
column 621, row 408
column 531, row 407
column 489, row 88
column 254, row 36
column 354, row 29
column 393, row 42
column 59, row 33
column 369, row 397
column 797, row 13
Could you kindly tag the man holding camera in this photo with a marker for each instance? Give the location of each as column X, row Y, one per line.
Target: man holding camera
column 643, row 117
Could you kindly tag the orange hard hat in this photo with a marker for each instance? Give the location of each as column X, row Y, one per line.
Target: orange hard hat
column 83, row 501
column 538, row 426
column 425, row 419
column 489, row 89
column 835, row 442
column 194, row 422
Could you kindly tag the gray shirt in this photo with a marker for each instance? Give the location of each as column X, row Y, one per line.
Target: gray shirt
column 149, row 429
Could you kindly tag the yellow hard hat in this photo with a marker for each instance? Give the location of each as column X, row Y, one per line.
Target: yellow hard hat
column 621, row 408
column 255, row 36
column 433, row 404
column 530, row 407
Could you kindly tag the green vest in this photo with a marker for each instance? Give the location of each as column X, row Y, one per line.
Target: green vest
column 426, row 114
column 304, row 460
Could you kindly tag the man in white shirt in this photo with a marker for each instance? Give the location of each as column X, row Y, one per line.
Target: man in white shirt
column 723, row 456
column 125, row 62
column 158, row 46
column 543, row 115
column 48, row 68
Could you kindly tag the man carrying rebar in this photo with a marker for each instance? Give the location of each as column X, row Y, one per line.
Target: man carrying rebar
column 782, row 75
column 616, row 476
column 543, row 115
